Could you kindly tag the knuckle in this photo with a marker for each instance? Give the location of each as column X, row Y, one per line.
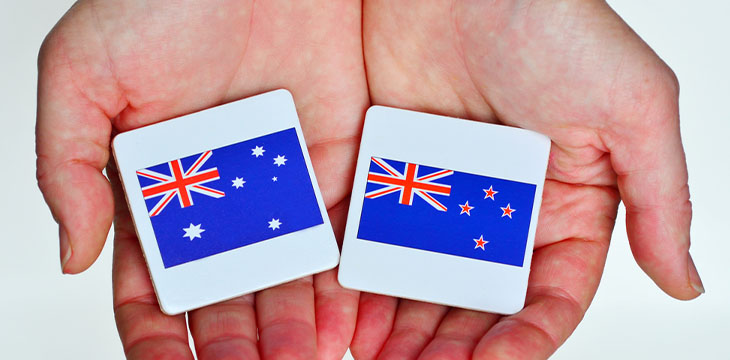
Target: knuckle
column 671, row 80
column 44, row 174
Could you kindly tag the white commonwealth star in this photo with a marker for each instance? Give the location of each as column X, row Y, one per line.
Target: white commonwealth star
column 193, row 231
column 279, row 160
column 258, row 151
column 274, row 224
column 238, row 183
column 274, row 178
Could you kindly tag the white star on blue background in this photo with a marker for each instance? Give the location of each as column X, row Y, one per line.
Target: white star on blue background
column 238, row 182
column 279, row 160
column 258, row 151
column 193, row 231
column 274, row 224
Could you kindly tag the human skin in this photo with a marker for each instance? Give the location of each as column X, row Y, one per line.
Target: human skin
column 569, row 69
column 572, row 70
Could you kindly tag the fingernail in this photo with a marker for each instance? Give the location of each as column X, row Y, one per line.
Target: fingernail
column 694, row 276
column 65, row 248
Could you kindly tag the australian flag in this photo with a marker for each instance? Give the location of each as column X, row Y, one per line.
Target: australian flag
column 446, row 211
column 229, row 197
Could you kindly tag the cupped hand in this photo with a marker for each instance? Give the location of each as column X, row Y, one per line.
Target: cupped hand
column 115, row 66
column 570, row 69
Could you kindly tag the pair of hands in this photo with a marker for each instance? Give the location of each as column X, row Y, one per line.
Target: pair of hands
column 570, row 69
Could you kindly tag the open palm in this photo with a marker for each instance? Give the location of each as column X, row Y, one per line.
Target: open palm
column 114, row 66
column 569, row 69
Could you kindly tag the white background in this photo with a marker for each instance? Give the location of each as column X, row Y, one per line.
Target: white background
column 46, row 315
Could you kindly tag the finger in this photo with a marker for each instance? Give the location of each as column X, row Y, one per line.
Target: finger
column 335, row 176
column 415, row 324
column 336, row 313
column 648, row 157
column 286, row 321
column 375, row 316
column 458, row 333
column 335, row 307
column 146, row 332
column 563, row 281
column 72, row 140
column 225, row 330
column 575, row 211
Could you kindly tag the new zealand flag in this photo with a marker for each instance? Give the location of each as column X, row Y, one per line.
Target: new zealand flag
column 446, row 211
column 229, row 197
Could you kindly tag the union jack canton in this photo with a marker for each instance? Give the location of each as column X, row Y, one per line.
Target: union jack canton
column 408, row 184
column 180, row 184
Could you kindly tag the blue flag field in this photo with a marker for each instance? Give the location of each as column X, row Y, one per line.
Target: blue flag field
column 445, row 211
column 226, row 198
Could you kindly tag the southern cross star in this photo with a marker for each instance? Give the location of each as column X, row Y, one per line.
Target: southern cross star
column 274, row 224
column 489, row 193
column 279, row 160
column 465, row 209
column 507, row 211
column 480, row 242
column 258, row 151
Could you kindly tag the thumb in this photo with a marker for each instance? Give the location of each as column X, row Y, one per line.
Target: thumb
column 72, row 141
column 648, row 157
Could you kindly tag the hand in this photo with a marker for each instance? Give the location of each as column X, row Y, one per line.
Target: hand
column 571, row 70
column 114, row 66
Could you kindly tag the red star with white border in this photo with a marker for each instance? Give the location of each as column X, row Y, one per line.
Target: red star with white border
column 480, row 242
column 465, row 208
column 507, row 211
column 489, row 192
